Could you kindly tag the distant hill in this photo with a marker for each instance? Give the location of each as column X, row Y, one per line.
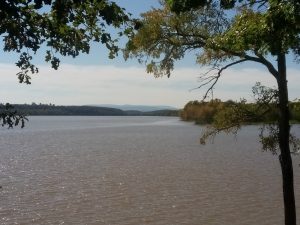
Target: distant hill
column 52, row 110
column 141, row 108
column 49, row 110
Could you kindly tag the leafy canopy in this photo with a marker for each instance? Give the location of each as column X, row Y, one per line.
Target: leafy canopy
column 165, row 37
column 62, row 27
column 249, row 32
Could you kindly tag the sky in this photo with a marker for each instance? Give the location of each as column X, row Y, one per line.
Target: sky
column 94, row 79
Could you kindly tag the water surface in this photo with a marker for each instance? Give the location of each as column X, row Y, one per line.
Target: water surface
column 135, row 171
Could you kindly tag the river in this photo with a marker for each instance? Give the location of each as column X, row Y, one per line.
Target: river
column 136, row 171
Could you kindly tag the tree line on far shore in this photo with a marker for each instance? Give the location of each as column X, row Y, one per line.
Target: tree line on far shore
column 205, row 112
column 53, row 110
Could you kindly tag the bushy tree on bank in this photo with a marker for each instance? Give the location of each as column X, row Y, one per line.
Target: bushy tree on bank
column 263, row 110
column 226, row 33
column 60, row 28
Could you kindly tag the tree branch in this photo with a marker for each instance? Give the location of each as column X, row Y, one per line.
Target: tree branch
column 259, row 59
column 269, row 65
column 213, row 79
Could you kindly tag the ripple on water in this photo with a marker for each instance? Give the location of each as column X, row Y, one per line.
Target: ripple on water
column 146, row 171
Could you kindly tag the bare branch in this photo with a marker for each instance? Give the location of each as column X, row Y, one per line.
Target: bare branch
column 213, row 79
column 211, row 132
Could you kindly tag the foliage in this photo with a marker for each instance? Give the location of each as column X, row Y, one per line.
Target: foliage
column 216, row 35
column 229, row 116
column 253, row 33
column 185, row 5
column 10, row 118
column 270, row 140
column 202, row 112
column 295, row 110
column 165, row 37
column 264, row 111
column 62, row 27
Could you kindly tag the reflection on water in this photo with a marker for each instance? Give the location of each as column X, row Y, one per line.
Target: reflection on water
column 135, row 171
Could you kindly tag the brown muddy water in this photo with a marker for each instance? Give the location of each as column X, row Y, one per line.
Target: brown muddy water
column 136, row 171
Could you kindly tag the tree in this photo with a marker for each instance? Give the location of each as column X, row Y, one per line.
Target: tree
column 63, row 28
column 260, row 31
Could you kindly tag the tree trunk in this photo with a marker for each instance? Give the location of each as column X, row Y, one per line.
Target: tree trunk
column 285, row 154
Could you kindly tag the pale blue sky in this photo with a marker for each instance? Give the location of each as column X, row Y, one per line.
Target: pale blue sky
column 94, row 79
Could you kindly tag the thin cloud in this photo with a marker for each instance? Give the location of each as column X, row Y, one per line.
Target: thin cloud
column 79, row 85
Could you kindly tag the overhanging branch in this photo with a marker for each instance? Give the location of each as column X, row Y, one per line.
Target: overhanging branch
column 211, row 80
column 260, row 59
